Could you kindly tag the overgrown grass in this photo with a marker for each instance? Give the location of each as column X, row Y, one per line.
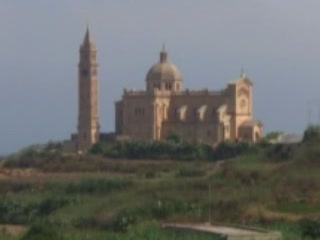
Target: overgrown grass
column 93, row 186
column 115, row 203
column 298, row 208
column 149, row 231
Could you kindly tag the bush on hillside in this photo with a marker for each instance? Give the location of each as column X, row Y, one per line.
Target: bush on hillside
column 172, row 149
column 98, row 186
column 41, row 232
column 312, row 134
column 175, row 138
column 50, row 204
column 20, row 212
column 271, row 136
column 190, row 172
column 227, row 150
column 279, row 152
column 15, row 212
column 117, row 223
column 310, row 228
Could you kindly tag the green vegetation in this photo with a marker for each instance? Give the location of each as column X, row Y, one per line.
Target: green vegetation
column 310, row 228
column 40, row 232
column 172, row 148
column 312, row 134
column 49, row 194
column 140, row 232
column 271, row 136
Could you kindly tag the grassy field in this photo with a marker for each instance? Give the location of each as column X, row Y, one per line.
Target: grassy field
column 91, row 198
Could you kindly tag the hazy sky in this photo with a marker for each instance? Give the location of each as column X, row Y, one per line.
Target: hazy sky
column 278, row 42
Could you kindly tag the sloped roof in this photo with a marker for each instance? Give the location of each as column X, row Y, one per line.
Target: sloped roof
column 251, row 123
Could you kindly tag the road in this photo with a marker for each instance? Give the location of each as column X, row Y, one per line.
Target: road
column 226, row 230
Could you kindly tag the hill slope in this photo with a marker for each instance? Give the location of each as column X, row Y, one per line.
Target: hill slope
column 84, row 197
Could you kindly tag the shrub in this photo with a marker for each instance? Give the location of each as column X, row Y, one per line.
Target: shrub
column 15, row 212
column 41, row 232
column 97, row 186
column 50, row 204
column 118, row 223
column 190, row 172
column 168, row 207
column 175, row 138
column 19, row 212
column 312, row 134
column 172, row 148
column 281, row 151
column 271, row 136
column 150, row 174
column 227, row 150
column 15, row 186
column 310, row 228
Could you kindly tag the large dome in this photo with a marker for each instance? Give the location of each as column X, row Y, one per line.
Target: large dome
column 164, row 71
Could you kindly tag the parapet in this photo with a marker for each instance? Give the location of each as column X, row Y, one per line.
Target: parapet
column 186, row 92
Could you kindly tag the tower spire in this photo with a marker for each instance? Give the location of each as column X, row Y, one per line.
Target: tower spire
column 88, row 38
column 163, row 47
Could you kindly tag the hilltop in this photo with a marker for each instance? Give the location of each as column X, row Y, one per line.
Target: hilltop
column 90, row 197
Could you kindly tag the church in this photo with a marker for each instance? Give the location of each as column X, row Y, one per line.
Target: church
column 164, row 107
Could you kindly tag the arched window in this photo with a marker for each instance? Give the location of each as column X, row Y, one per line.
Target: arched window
column 257, row 136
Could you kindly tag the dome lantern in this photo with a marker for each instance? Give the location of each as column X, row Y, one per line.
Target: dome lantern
column 163, row 55
column 164, row 75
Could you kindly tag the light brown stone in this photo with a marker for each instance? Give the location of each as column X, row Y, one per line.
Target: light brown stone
column 88, row 121
column 196, row 115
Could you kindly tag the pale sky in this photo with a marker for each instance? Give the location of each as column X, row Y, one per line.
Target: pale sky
column 277, row 42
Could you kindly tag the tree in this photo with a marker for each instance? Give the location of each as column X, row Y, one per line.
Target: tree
column 310, row 228
column 173, row 137
column 272, row 136
column 41, row 232
column 312, row 134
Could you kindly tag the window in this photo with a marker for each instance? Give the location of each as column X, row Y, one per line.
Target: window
column 139, row 111
column 195, row 111
column 168, row 86
column 84, row 72
column 156, row 85
column 176, row 113
column 208, row 133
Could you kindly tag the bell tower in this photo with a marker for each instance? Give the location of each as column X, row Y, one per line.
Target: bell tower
column 88, row 120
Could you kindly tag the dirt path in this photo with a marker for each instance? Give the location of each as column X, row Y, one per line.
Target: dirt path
column 229, row 231
column 14, row 230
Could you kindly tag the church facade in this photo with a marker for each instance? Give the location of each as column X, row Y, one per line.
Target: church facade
column 164, row 107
